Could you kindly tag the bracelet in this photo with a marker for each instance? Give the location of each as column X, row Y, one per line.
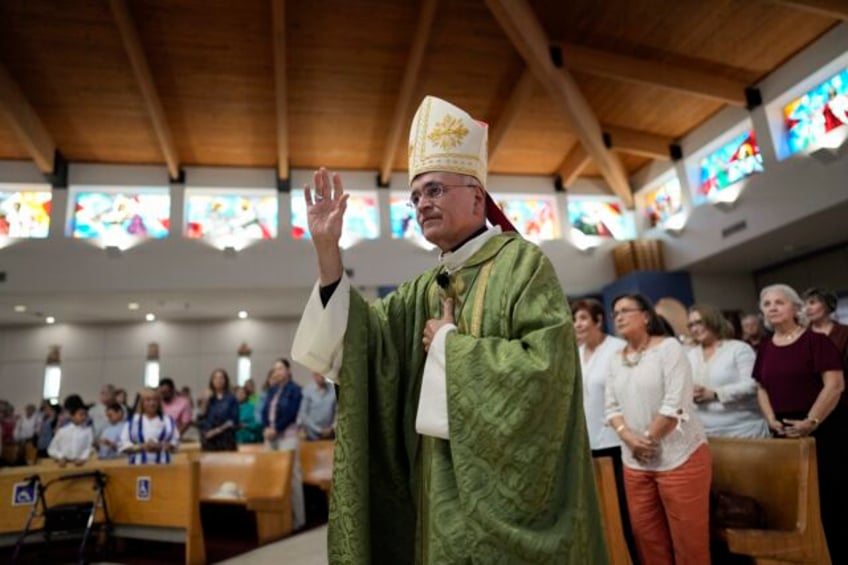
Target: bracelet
column 619, row 428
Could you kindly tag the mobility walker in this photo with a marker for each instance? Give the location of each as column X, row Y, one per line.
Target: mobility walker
column 68, row 518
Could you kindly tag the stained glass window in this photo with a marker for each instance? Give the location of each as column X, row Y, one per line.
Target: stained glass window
column 810, row 119
column 24, row 211
column 663, row 203
column 120, row 217
column 535, row 217
column 594, row 219
column 738, row 158
column 404, row 223
column 230, row 218
column 361, row 219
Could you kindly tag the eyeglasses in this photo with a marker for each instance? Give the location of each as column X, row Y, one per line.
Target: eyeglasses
column 694, row 323
column 616, row 313
column 432, row 191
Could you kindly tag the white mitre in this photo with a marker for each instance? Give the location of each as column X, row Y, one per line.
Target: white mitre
column 445, row 138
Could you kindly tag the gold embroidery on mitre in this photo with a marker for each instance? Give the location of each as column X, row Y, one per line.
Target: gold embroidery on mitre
column 448, row 133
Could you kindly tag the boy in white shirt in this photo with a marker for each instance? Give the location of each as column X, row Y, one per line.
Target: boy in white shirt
column 73, row 442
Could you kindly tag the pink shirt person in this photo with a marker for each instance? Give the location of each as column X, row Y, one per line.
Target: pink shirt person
column 174, row 405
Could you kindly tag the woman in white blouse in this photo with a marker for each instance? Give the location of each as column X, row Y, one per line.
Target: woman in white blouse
column 667, row 464
column 724, row 392
column 596, row 350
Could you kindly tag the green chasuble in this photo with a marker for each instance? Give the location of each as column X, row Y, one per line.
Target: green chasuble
column 514, row 484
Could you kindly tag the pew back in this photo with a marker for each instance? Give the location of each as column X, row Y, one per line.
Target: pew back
column 172, row 503
column 773, row 472
column 262, row 478
column 781, row 475
column 262, row 474
column 316, row 462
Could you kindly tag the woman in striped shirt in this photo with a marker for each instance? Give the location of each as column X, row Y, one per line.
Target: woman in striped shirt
column 150, row 436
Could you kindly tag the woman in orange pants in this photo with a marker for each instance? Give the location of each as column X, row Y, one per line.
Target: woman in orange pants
column 667, row 464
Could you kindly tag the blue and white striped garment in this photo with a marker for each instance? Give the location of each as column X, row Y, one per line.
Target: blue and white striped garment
column 141, row 429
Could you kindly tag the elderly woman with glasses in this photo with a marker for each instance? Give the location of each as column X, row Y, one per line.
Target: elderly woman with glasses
column 724, row 393
column 800, row 378
column 667, row 464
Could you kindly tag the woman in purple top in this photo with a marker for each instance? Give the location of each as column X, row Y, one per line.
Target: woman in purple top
column 800, row 383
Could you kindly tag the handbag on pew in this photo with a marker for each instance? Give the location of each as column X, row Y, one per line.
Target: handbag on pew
column 731, row 510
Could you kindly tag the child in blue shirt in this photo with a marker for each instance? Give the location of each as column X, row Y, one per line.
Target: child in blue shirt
column 110, row 438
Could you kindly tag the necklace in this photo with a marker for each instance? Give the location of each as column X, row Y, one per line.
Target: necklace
column 632, row 359
column 788, row 336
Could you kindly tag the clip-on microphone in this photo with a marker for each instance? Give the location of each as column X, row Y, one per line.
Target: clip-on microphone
column 443, row 280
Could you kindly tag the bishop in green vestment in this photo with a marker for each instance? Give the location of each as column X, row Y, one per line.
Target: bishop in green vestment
column 461, row 436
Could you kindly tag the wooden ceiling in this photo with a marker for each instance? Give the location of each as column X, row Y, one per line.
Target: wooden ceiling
column 201, row 89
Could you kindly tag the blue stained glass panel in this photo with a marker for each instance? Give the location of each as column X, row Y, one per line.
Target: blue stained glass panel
column 738, row 158
column 404, row 223
column 139, row 215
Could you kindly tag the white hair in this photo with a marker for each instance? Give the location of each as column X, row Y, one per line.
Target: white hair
column 792, row 295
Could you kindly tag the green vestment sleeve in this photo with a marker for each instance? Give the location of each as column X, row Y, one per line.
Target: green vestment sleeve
column 514, row 483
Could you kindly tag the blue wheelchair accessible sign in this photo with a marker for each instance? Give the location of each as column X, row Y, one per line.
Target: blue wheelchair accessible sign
column 142, row 488
column 23, row 494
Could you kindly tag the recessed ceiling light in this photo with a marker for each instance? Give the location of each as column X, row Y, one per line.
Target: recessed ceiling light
column 132, row 306
column 150, row 317
column 242, row 314
column 50, row 320
column 20, row 308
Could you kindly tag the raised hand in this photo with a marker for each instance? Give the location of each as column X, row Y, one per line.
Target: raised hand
column 325, row 207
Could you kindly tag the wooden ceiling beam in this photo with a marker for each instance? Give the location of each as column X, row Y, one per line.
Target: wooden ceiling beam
column 141, row 69
column 573, row 165
column 26, row 124
column 400, row 117
column 836, row 9
column 633, row 69
column 621, row 139
column 520, row 95
column 638, row 142
column 524, row 30
column 278, row 17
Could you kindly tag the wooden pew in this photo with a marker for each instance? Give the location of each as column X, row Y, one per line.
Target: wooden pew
column 610, row 512
column 251, row 447
column 94, row 462
column 264, row 481
column 781, row 475
column 171, row 513
column 316, row 463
